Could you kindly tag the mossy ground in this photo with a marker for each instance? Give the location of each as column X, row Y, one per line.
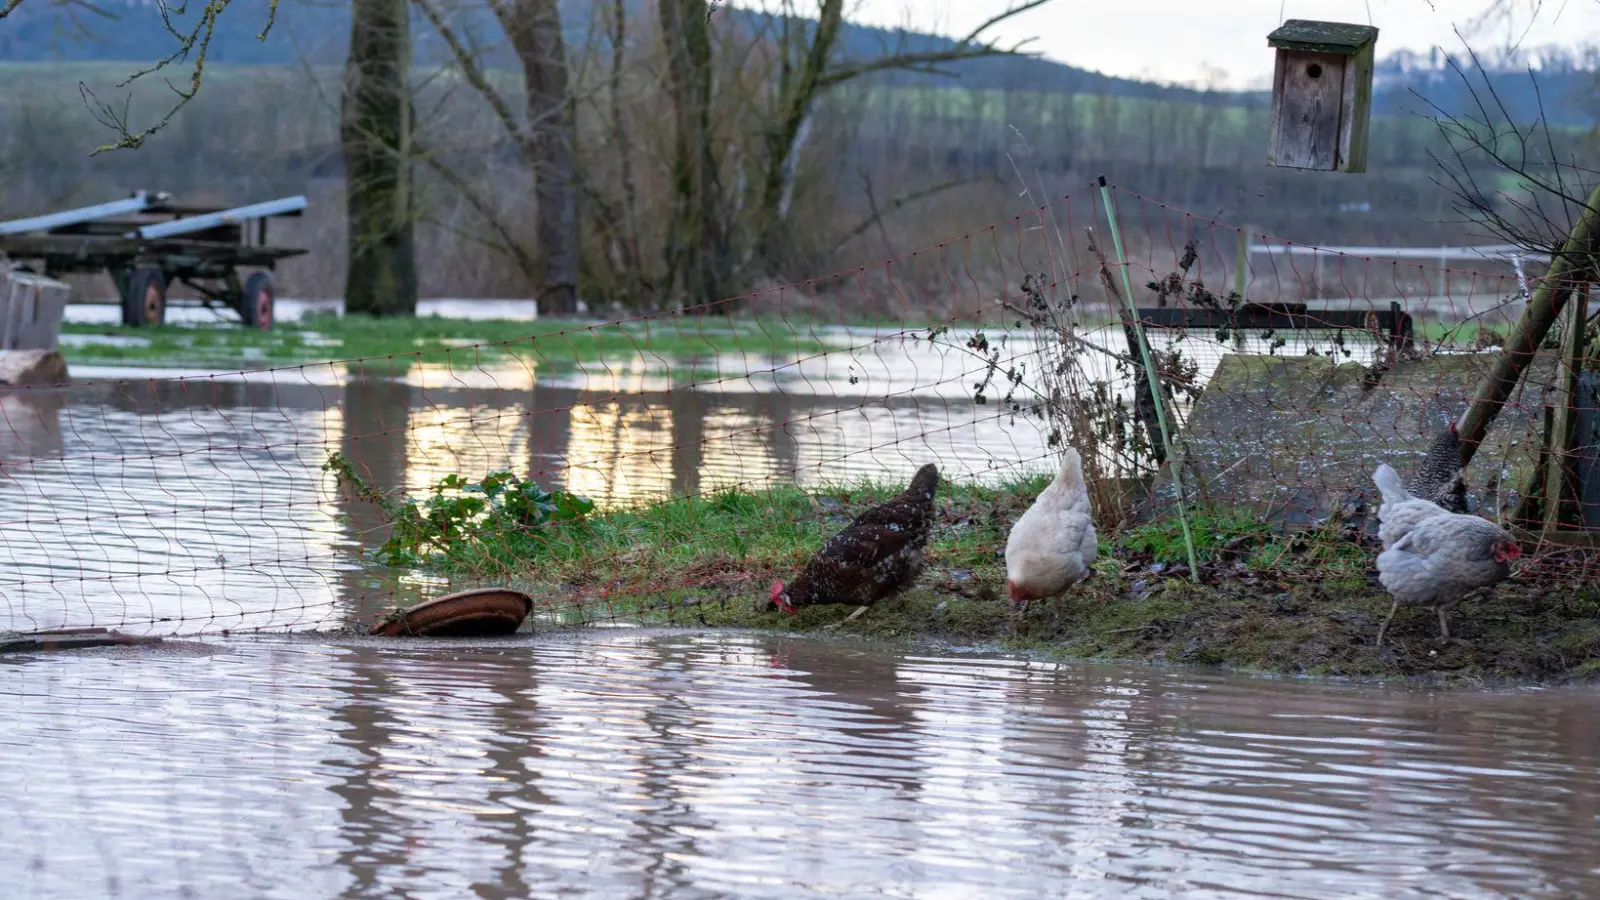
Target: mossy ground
column 1305, row 603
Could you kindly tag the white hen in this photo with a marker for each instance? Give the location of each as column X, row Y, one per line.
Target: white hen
column 1442, row 559
column 1400, row 512
column 1053, row 545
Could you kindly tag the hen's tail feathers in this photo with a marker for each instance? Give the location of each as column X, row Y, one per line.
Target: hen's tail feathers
column 1390, row 485
column 925, row 482
column 1071, row 475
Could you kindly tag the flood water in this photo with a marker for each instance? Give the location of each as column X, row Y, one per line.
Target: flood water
column 624, row 763
column 671, row 765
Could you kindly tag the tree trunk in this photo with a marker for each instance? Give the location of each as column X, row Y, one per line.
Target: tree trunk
column 698, row 256
column 797, row 94
column 534, row 27
column 375, row 134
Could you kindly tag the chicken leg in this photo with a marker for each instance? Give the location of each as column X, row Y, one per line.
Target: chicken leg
column 1384, row 628
column 1444, row 626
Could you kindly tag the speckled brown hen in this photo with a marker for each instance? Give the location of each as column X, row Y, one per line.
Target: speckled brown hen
column 876, row 556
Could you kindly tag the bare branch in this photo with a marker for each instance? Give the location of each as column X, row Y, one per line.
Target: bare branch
column 969, row 47
column 877, row 215
column 196, row 41
column 526, row 264
column 475, row 76
column 1489, row 139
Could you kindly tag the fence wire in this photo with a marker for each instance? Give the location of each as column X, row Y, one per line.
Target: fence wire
column 234, row 501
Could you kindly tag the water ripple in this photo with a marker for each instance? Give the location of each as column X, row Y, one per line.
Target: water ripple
column 688, row 766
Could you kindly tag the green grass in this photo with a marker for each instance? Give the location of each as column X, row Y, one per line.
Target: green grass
column 670, row 342
column 1268, row 602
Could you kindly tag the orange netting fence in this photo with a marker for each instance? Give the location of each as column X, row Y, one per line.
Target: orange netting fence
column 268, row 499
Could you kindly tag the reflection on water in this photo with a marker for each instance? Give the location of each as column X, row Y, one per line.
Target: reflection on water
column 645, row 765
column 199, row 503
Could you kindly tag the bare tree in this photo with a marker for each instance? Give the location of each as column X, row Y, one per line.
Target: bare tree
column 375, row 133
column 544, row 137
column 534, row 27
column 808, row 68
column 192, row 42
column 698, row 256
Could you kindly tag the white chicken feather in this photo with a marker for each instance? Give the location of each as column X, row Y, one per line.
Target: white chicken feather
column 1053, row 545
column 1400, row 512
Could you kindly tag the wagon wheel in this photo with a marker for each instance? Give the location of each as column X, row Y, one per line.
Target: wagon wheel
column 255, row 305
column 146, row 300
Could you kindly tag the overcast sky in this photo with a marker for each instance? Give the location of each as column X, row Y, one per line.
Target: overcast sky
column 1178, row 40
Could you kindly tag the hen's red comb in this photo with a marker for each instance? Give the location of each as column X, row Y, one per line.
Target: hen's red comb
column 777, row 598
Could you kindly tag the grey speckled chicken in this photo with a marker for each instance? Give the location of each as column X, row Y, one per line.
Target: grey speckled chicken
column 1439, row 478
column 1400, row 512
column 1441, row 560
column 874, row 557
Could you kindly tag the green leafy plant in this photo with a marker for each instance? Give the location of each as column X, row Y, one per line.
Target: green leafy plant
column 460, row 521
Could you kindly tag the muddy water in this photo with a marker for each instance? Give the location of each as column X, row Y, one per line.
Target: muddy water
column 625, row 764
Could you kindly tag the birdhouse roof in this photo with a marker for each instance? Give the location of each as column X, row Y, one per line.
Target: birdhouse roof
column 1322, row 37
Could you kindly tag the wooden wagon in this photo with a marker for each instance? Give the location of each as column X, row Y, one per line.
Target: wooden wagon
column 147, row 242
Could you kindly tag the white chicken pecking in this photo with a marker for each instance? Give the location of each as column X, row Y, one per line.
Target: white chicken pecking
column 1441, row 559
column 1053, row 545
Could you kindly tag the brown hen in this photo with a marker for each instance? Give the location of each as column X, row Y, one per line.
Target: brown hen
column 876, row 556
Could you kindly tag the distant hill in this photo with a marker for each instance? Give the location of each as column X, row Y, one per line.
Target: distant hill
column 317, row 31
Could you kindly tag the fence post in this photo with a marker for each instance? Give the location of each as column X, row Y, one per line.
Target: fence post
column 1562, row 431
column 1153, row 376
column 1241, row 277
column 1241, row 270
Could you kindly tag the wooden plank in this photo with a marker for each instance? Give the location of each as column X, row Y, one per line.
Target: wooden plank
column 1329, row 37
column 1571, row 538
column 1307, row 113
column 74, row 639
column 1275, row 126
column 76, row 250
column 1286, row 317
column 1558, row 474
column 1355, row 113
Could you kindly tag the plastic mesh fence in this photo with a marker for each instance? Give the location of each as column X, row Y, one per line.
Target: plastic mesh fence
column 234, row 501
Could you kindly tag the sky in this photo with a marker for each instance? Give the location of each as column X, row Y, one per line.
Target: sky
column 1189, row 41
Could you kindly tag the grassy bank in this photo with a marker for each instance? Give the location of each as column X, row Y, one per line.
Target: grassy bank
column 670, row 342
column 1267, row 602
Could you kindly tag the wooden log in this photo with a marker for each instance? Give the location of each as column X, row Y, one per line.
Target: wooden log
column 72, row 639
column 1559, row 474
column 1568, row 267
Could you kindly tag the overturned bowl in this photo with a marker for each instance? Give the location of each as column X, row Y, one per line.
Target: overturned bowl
column 481, row 612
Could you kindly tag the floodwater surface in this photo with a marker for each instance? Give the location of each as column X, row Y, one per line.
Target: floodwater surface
column 670, row 765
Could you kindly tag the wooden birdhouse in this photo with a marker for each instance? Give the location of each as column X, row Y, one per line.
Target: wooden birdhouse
column 1321, row 95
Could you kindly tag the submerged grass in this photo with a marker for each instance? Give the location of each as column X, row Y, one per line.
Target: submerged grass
column 670, row 342
column 1267, row 602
